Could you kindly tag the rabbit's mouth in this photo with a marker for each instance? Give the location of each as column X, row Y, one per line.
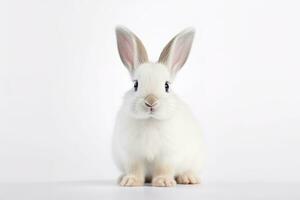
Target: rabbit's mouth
column 161, row 110
column 151, row 111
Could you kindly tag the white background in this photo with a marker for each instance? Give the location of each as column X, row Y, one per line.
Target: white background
column 61, row 83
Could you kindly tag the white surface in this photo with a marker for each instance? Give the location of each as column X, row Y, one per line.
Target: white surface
column 61, row 82
column 107, row 190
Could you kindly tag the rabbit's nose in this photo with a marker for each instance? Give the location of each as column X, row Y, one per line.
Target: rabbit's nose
column 150, row 100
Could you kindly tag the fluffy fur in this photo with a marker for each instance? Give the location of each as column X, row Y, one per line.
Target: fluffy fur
column 162, row 144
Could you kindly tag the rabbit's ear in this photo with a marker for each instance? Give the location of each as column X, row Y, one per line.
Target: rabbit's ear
column 176, row 52
column 131, row 49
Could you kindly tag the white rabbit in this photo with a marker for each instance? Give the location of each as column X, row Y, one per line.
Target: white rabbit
column 156, row 137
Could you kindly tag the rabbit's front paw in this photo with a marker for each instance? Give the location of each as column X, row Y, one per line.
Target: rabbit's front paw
column 131, row 180
column 187, row 178
column 163, row 181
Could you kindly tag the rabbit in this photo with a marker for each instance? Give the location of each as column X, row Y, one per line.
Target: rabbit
column 156, row 138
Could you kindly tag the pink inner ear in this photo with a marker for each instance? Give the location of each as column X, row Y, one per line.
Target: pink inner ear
column 126, row 50
column 180, row 54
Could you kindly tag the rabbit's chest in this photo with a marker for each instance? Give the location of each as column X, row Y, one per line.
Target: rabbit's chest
column 150, row 142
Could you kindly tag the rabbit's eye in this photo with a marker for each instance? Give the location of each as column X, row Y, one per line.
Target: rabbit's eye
column 135, row 85
column 167, row 86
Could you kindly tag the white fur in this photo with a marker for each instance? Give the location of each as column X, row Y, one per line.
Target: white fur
column 169, row 136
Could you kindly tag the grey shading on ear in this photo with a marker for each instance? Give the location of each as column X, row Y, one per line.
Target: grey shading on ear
column 131, row 49
column 176, row 52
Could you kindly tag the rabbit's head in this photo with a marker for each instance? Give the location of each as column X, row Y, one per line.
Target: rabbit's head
column 151, row 95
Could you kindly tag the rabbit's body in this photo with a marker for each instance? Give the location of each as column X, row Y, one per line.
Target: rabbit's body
column 155, row 135
column 176, row 141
